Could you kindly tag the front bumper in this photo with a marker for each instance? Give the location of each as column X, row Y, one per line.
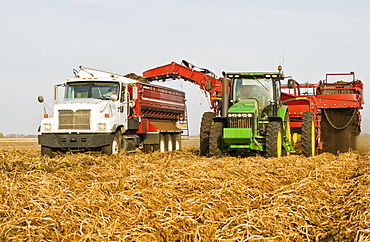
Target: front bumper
column 74, row 141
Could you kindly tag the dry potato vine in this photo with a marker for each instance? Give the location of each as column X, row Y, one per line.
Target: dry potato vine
column 179, row 196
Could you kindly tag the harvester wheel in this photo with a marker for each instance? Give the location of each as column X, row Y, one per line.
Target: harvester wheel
column 274, row 139
column 176, row 140
column 47, row 151
column 168, row 142
column 205, row 128
column 308, row 134
column 215, row 139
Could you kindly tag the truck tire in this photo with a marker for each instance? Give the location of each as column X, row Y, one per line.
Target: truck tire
column 205, row 128
column 308, row 134
column 176, row 140
column 168, row 142
column 162, row 144
column 215, row 139
column 47, row 151
column 274, row 139
column 114, row 147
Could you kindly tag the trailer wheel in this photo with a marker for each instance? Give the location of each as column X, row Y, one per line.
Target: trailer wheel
column 308, row 134
column 162, row 143
column 176, row 140
column 47, row 151
column 274, row 139
column 114, row 147
column 168, row 142
column 205, row 128
column 215, row 139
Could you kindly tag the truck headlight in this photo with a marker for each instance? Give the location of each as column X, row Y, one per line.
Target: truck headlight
column 102, row 126
column 46, row 127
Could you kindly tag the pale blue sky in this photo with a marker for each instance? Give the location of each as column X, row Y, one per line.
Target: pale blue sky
column 43, row 40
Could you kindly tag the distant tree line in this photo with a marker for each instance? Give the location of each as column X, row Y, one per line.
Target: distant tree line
column 18, row 135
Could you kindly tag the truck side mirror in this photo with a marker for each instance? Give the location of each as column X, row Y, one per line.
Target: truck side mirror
column 40, row 99
column 291, row 83
column 208, row 85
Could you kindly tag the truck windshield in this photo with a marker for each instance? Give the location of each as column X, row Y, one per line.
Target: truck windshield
column 98, row 90
column 259, row 89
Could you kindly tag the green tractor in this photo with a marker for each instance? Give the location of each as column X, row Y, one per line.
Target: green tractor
column 254, row 118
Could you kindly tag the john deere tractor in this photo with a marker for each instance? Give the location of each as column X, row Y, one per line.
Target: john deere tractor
column 253, row 118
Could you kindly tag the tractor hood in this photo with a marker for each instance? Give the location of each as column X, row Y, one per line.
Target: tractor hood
column 244, row 106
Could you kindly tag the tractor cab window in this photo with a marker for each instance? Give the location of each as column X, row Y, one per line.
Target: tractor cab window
column 97, row 90
column 258, row 89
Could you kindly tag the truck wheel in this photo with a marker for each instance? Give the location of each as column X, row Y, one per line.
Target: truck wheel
column 162, row 143
column 114, row 147
column 147, row 148
column 47, row 151
column 308, row 134
column 274, row 139
column 205, row 128
column 176, row 140
column 168, row 142
column 123, row 146
column 215, row 139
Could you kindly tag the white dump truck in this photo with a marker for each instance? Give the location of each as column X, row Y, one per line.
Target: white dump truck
column 108, row 112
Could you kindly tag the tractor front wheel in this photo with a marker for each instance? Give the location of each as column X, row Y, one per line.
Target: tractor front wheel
column 205, row 128
column 215, row 139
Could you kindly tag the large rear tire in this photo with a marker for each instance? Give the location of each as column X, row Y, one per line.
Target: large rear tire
column 205, row 128
column 274, row 139
column 308, row 134
column 215, row 139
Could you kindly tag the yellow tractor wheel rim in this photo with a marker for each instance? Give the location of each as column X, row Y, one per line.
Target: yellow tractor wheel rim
column 279, row 144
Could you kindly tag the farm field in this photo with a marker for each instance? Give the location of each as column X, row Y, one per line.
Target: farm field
column 179, row 196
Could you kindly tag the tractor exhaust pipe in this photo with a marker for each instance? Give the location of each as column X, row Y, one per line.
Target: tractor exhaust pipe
column 225, row 95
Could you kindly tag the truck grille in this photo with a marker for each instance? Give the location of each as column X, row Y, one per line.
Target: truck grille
column 240, row 122
column 79, row 120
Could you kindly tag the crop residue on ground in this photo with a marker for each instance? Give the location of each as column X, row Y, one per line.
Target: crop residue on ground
column 180, row 196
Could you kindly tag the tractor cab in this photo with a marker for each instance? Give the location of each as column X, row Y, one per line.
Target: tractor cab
column 261, row 91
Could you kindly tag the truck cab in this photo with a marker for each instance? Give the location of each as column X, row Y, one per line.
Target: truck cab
column 89, row 116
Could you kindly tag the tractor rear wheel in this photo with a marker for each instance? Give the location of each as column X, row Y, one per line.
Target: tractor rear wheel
column 274, row 139
column 215, row 139
column 205, row 128
column 308, row 134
